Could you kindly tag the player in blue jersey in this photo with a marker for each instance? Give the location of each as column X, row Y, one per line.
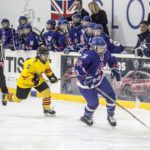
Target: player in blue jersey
column 51, row 36
column 7, row 34
column 31, row 41
column 90, row 75
column 19, row 38
column 68, row 38
column 112, row 46
column 84, row 39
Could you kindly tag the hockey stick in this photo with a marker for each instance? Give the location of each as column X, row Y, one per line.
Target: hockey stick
column 2, row 54
column 69, row 77
column 59, row 79
column 107, row 96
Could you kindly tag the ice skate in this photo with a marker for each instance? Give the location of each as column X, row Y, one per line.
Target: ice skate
column 4, row 102
column 49, row 113
column 111, row 119
column 87, row 120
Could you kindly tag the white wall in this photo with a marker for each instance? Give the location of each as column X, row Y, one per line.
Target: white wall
column 125, row 34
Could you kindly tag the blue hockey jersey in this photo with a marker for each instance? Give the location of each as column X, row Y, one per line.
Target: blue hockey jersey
column 112, row 46
column 91, row 64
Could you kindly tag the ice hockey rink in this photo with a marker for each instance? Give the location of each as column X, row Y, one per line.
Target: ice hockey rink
column 23, row 127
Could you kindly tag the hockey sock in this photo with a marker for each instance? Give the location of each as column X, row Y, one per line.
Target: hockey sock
column 46, row 103
column 46, row 94
column 89, row 111
column 110, row 107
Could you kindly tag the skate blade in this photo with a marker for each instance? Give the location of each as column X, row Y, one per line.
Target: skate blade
column 50, row 115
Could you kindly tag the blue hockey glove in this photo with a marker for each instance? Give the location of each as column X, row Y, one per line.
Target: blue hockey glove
column 68, row 49
column 116, row 73
column 139, row 52
column 88, row 80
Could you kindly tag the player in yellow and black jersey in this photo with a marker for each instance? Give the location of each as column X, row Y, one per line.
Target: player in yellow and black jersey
column 31, row 77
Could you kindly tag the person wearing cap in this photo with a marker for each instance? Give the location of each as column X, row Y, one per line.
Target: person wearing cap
column 7, row 34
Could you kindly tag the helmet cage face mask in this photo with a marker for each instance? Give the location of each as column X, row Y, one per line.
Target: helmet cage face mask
column 97, row 32
column 26, row 31
column 89, row 31
column 49, row 27
column 85, row 23
column 100, row 49
column 20, row 32
column 5, row 25
column 76, row 20
column 64, row 28
column 23, row 21
column 43, row 57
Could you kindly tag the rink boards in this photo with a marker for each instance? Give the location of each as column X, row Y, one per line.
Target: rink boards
column 131, row 96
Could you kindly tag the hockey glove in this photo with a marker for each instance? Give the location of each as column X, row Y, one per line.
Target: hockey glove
column 53, row 79
column 35, row 79
column 139, row 52
column 68, row 49
column 88, row 80
column 116, row 73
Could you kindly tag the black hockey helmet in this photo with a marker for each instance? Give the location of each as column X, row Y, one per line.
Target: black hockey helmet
column 43, row 53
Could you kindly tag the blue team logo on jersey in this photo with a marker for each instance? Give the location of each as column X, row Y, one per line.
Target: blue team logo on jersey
column 63, row 7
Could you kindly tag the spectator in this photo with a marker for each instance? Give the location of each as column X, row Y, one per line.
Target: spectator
column 79, row 9
column 144, row 36
column 98, row 15
column 143, row 39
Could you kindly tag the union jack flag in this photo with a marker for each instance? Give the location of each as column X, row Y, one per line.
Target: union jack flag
column 63, row 7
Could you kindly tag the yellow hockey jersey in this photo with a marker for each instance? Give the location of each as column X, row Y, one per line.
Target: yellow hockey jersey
column 31, row 66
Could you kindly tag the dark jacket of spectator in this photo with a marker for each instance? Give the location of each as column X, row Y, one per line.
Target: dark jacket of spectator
column 98, row 16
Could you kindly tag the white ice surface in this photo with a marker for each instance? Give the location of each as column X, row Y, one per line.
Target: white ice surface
column 23, row 127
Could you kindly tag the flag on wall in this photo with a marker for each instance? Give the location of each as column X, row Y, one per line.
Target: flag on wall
column 62, row 7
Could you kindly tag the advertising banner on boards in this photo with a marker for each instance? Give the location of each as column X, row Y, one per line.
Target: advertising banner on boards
column 135, row 81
